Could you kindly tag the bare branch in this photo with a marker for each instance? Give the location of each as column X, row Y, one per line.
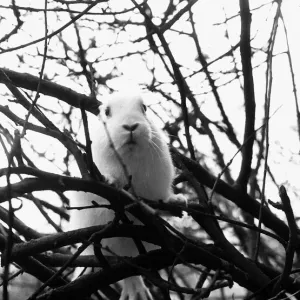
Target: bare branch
column 246, row 56
column 52, row 89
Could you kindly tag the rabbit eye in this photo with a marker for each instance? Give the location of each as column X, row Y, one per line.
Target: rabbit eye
column 144, row 107
column 107, row 111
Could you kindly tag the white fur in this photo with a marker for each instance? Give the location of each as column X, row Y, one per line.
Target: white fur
column 148, row 161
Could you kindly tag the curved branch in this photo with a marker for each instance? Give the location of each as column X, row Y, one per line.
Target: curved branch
column 30, row 82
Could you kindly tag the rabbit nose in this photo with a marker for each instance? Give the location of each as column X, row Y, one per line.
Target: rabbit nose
column 131, row 128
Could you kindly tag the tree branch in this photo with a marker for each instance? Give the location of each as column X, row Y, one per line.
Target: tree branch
column 30, row 82
column 246, row 55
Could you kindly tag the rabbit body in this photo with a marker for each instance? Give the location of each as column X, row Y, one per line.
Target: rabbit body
column 126, row 138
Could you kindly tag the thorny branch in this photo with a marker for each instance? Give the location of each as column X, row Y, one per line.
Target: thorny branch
column 268, row 93
column 56, row 31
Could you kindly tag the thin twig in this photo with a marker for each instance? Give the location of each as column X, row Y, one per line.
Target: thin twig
column 41, row 74
column 238, row 151
column 292, row 73
column 269, row 81
column 56, row 31
column 88, row 143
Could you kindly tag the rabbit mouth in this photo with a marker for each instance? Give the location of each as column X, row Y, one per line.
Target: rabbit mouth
column 130, row 146
column 131, row 140
column 131, row 143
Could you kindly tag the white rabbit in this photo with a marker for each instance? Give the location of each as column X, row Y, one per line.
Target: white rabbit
column 142, row 148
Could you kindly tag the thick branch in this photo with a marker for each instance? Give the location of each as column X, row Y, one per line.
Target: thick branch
column 30, row 82
column 249, row 96
column 291, row 247
column 63, row 239
column 34, row 267
column 237, row 196
column 157, row 259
